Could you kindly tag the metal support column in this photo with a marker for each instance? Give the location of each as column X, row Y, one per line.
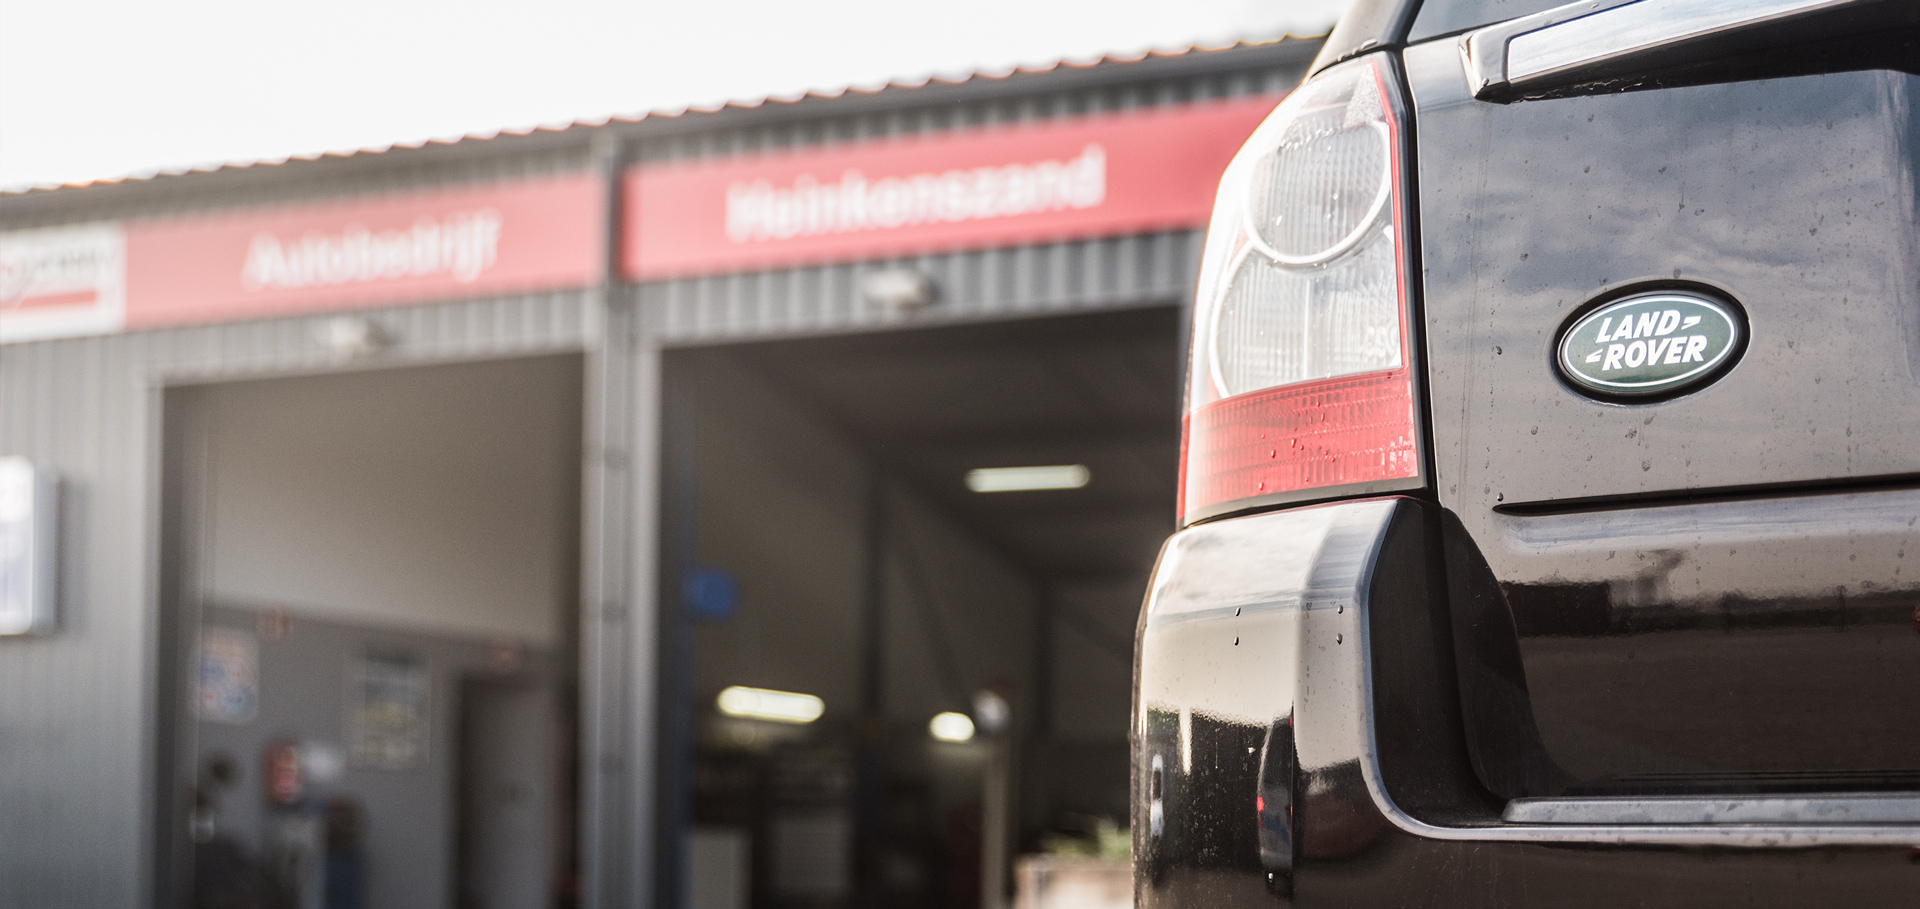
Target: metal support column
column 619, row 555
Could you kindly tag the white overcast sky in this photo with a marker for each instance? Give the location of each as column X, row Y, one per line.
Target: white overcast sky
column 93, row 89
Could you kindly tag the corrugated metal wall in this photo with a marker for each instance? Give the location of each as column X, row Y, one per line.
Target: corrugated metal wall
column 1106, row 273
column 81, row 722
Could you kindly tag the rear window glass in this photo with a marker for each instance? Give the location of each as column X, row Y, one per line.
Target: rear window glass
column 1439, row 17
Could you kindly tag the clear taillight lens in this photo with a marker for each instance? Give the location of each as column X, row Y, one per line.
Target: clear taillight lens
column 1299, row 378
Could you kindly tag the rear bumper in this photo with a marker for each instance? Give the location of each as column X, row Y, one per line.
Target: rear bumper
column 1298, row 736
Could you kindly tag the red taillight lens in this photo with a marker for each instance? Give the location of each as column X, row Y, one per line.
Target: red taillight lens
column 1334, row 432
column 1300, row 377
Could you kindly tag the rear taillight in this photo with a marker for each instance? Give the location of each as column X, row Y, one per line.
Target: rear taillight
column 1300, row 379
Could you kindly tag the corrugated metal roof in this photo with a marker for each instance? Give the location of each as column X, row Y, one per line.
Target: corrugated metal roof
column 695, row 112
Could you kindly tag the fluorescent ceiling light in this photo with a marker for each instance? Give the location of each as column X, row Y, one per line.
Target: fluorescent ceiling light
column 951, row 727
column 1016, row 479
column 767, row 704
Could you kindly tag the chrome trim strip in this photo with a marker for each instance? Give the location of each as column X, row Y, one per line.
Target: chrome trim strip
column 1641, row 26
column 1484, row 52
column 1533, row 49
column 1865, row 808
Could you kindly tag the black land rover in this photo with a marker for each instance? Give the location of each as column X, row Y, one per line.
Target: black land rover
column 1551, row 482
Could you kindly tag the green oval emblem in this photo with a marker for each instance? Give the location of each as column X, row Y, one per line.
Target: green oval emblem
column 1650, row 344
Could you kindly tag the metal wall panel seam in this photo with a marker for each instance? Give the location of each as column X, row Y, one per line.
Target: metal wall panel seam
column 159, row 777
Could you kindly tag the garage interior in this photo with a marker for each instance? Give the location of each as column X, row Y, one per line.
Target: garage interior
column 822, row 539
column 404, row 543
column 375, row 575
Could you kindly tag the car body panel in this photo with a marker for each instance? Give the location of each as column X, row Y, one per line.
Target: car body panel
column 1710, row 591
column 1336, row 602
column 1794, row 197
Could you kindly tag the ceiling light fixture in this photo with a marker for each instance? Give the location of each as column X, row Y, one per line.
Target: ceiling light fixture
column 897, row 289
column 951, row 727
column 767, row 704
column 1020, row 479
column 351, row 336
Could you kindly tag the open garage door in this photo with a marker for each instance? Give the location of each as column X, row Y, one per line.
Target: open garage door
column 378, row 576
column 897, row 666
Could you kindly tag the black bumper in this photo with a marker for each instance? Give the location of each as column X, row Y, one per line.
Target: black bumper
column 1299, row 739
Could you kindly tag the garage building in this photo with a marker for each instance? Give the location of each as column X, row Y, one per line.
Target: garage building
column 603, row 516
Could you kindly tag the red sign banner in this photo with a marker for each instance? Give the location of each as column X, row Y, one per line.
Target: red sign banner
column 538, row 234
column 1096, row 175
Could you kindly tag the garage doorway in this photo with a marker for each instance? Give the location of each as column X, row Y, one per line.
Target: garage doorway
column 893, row 670
column 374, row 577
